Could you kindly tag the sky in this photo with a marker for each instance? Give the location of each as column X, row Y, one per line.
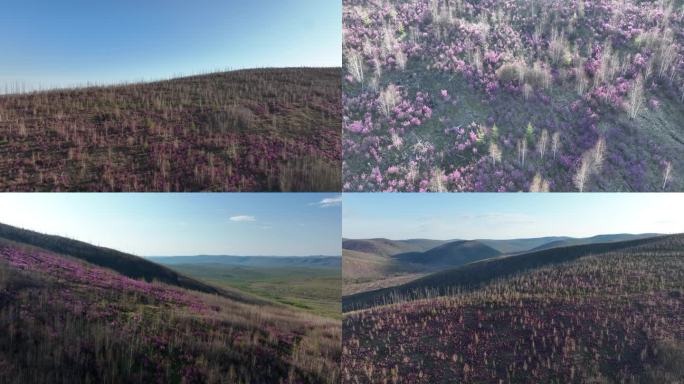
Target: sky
column 177, row 224
column 47, row 43
column 470, row 216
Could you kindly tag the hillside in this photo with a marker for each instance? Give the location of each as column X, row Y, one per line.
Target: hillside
column 65, row 320
column 128, row 265
column 474, row 275
column 373, row 264
column 592, row 240
column 452, row 254
column 538, row 95
column 387, row 247
column 248, row 130
column 520, row 245
column 609, row 313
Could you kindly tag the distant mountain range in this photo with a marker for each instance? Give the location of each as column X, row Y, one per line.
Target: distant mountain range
column 253, row 261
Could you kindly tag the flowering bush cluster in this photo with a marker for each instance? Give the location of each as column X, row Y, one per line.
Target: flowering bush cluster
column 612, row 317
column 81, row 273
column 581, row 71
column 252, row 130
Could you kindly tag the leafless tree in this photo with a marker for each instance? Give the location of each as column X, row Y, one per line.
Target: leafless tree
column 555, row 142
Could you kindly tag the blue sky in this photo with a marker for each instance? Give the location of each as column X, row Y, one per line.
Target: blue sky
column 57, row 43
column 168, row 224
column 506, row 216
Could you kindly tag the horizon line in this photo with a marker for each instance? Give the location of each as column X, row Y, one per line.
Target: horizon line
column 223, row 255
column 510, row 238
column 123, row 83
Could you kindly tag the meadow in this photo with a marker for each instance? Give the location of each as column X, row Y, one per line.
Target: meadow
column 248, row 130
column 464, row 95
column 315, row 290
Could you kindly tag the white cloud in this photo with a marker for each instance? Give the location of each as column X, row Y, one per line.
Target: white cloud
column 243, row 218
column 330, row 202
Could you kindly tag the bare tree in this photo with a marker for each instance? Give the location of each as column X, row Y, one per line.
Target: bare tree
column 635, row 98
column 355, row 65
column 666, row 173
column 599, row 153
column 522, row 150
column 437, row 181
column 582, row 173
column 539, row 184
column 555, row 142
column 388, row 99
column 543, row 141
column 494, row 152
column 592, row 161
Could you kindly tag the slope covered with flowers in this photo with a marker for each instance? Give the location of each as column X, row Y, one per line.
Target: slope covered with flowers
column 249, row 130
column 615, row 316
column 524, row 95
column 63, row 320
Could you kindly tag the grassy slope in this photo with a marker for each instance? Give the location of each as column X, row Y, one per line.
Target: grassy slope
column 613, row 315
column 315, row 290
column 248, row 130
column 123, row 263
column 365, row 271
column 63, row 320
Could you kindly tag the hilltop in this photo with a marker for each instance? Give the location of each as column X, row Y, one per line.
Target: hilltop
column 68, row 315
column 271, row 129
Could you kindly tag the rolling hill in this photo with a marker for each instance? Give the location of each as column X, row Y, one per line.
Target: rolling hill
column 382, row 263
column 450, row 254
column 474, row 275
column 128, row 265
column 520, row 245
column 599, row 313
column 592, row 240
column 275, row 129
column 66, row 315
column 387, row 247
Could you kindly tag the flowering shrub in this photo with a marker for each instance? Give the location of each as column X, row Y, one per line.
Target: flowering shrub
column 583, row 71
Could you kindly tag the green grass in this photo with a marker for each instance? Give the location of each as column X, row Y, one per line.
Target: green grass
column 315, row 290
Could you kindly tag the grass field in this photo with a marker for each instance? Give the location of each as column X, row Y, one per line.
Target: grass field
column 316, row 290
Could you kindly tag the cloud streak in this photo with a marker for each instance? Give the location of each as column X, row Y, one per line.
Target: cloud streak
column 243, row 218
column 330, row 202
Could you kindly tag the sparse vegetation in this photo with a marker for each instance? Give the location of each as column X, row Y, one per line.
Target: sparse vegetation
column 249, row 130
column 594, row 313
